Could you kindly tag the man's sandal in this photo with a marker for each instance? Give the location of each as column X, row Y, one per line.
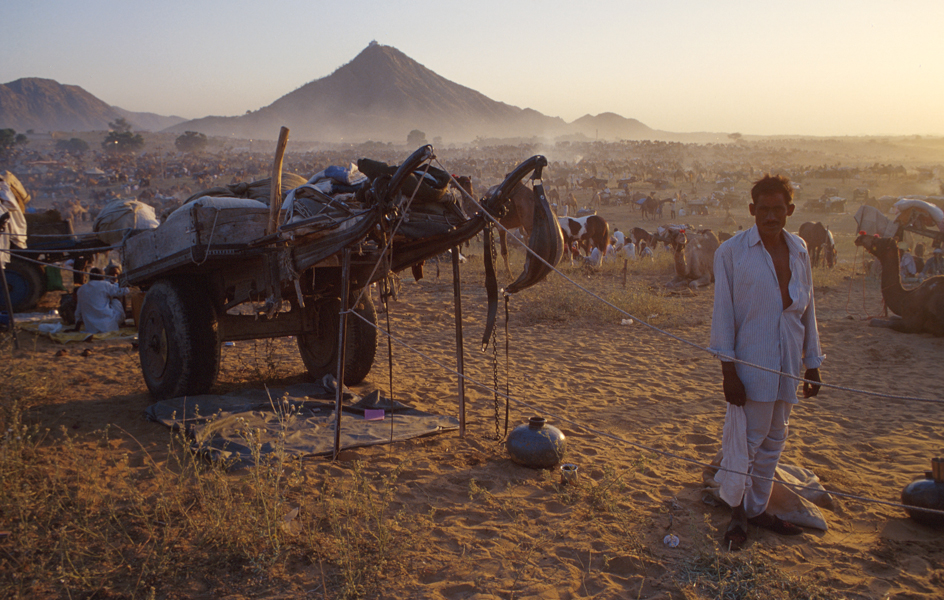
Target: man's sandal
column 735, row 537
column 775, row 524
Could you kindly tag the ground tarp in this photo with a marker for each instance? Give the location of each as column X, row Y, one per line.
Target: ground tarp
column 796, row 497
column 296, row 421
column 57, row 332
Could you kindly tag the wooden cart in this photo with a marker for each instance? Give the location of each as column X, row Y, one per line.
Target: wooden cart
column 206, row 261
column 47, row 242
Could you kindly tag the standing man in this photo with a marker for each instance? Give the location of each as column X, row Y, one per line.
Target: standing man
column 763, row 315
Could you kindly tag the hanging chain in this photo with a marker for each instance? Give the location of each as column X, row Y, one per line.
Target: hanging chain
column 498, row 435
column 507, row 369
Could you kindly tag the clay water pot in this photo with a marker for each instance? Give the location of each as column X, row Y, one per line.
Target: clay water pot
column 925, row 493
column 536, row 444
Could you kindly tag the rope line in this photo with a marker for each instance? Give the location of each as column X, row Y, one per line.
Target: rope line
column 637, row 445
column 206, row 253
column 403, row 215
column 57, row 266
column 601, row 299
column 65, row 235
column 17, row 251
column 578, row 425
column 688, row 342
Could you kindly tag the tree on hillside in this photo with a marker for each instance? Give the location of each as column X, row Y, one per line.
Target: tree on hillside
column 416, row 138
column 735, row 136
column 191, row 141
column 21, row 139
column 120, row 125
column 123, row 142
column 74, row 146
column 7, row 140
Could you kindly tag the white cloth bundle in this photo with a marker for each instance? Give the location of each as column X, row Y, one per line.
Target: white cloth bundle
column 114, row 221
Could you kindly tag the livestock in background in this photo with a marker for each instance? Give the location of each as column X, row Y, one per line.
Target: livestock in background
column 694, row 253
column 465, row 185
column 650, row 207
column 638, row 234
column 921, row 308
column 819, row 243
column 586, row 232
column 520, row 215
column 570, row 204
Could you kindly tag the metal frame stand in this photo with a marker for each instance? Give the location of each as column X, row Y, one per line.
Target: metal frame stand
column 342, row 347
column 460, row 355
column 9, row 304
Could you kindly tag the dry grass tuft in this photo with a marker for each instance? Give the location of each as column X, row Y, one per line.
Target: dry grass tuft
column 747, row 575
column 86, row 519
column 644, row 295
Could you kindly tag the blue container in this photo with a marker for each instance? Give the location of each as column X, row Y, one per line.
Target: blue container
column 536, row 445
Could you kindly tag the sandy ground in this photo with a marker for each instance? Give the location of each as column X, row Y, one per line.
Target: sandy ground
column 501, row 530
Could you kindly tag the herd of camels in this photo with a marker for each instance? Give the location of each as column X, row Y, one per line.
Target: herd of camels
column 919, row 310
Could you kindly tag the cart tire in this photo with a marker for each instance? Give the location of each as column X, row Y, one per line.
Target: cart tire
column 319, row 349
column 179, row 342
column 26, row 283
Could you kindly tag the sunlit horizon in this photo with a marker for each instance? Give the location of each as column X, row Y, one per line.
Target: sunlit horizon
column 818, row 69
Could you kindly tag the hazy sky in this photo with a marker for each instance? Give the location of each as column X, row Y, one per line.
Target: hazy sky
column 825, row 67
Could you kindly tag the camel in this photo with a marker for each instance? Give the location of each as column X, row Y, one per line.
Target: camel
column 465, row 184
column 652, row 207
column 520, row 214
column 649, row 208
column 921, row 309
column 638, row 234
column 570, row 206
column 694, row 256
column 819, row 243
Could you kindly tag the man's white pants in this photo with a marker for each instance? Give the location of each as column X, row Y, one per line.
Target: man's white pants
column 767, row 425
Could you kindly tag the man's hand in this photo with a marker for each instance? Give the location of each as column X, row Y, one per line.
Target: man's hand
column 734, row 392
column 811, row 389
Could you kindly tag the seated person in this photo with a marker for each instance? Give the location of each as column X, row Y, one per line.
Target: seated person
column 98, row 304
column 934, row 265
column 906, row 267
column 645, row 251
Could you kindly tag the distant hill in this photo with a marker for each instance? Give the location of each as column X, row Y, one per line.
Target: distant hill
column 145, row 121
column 46, row 105
column 611, row 126
column 382, row 95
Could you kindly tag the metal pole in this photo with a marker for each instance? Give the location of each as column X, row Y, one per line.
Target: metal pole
column 3, row 281
column 460, row 357
column 342, row 346
column 9, row 303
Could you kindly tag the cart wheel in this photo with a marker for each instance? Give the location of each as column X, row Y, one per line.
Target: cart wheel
column 179, row 343
column 26, row 283
column 319, row 349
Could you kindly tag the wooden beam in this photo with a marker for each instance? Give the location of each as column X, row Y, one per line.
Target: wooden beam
column 275, row 193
